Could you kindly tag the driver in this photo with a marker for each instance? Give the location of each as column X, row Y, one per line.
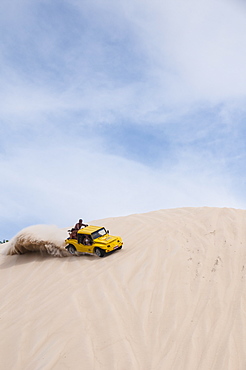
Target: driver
column 87, row 240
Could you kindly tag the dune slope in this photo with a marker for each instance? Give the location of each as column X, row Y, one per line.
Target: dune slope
column 172, row 298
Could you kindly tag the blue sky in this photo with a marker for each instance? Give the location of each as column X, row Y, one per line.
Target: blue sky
column 109, row 109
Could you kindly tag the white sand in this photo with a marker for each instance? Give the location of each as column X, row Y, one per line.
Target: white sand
column 173, row 298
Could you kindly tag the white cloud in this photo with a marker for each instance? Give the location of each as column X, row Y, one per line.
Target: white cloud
column 197, row 46
column 184, row 54
column 194, row 50
column 58, row 184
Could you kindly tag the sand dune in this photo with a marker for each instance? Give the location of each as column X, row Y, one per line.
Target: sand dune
column 172, row 298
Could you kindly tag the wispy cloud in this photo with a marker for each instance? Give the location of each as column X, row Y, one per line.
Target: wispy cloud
column 63, row 180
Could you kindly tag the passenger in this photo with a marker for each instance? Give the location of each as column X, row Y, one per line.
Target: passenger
column 73, row 234
column 79, row 224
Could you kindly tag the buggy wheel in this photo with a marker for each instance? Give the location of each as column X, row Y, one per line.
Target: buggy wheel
column 71, row 249
column 99, row 252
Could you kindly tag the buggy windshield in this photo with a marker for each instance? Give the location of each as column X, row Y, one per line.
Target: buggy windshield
column 98, row 233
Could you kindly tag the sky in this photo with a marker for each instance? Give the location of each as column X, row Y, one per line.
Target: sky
column 114, row 108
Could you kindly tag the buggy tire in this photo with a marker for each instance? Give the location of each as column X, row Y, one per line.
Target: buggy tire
column 71, row 249
column 99, row 252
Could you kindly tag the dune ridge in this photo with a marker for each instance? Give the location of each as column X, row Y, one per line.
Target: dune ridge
column 173, row 298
